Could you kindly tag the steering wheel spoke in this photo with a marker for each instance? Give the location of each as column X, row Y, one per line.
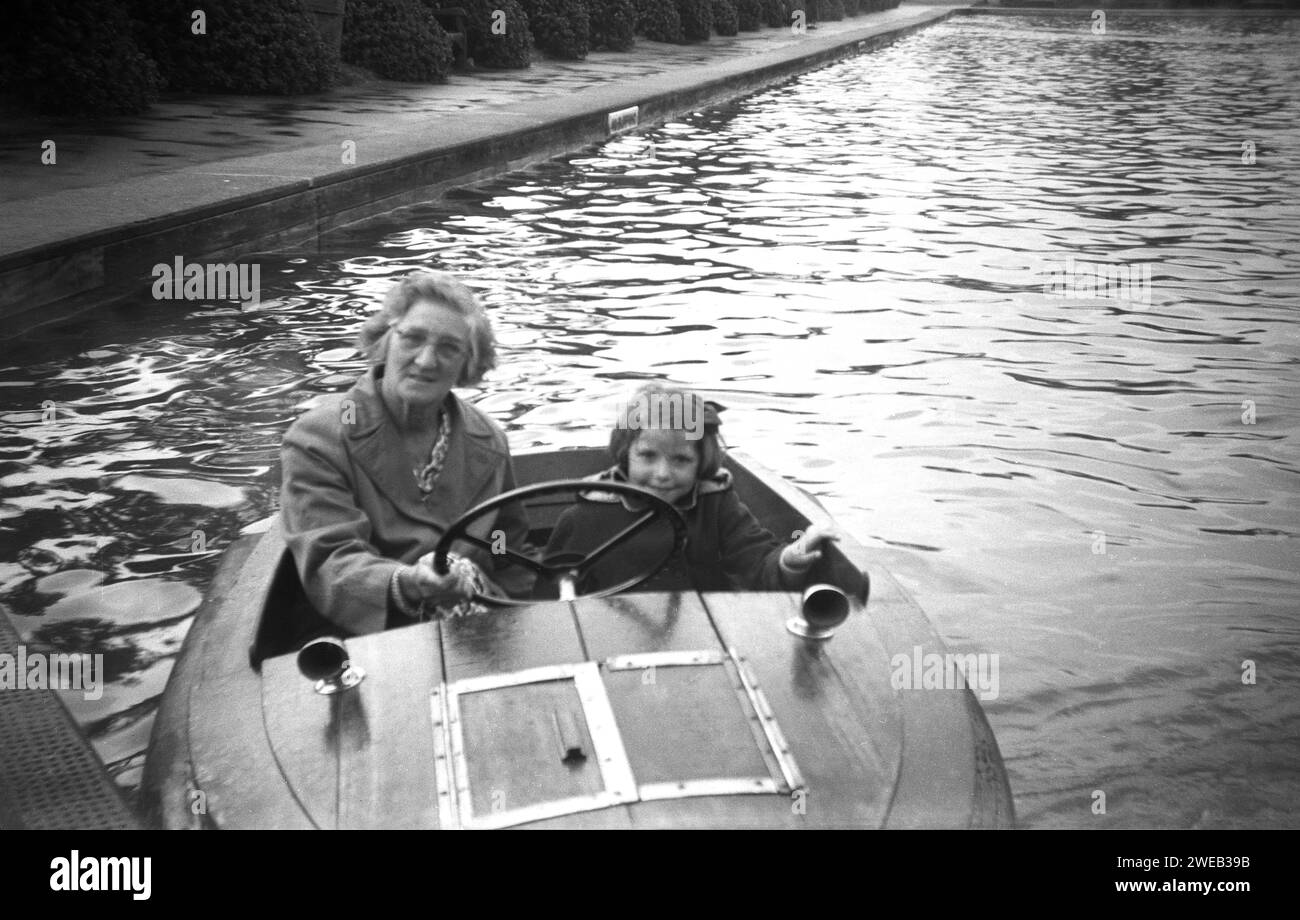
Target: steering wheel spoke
column 627, row 533
column 566, row 574
column 517, row 558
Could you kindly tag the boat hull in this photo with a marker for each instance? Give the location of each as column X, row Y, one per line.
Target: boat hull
column 241, row 741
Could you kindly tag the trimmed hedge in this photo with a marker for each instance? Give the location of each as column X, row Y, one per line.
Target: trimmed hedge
column 659, row 21
column 807, row 7
column 560, row 27
column 749, row 15
column 12, row 49
column 246, row 46
column 725, row 19
column 397, row 39
column 613, row 23
column 77, row 57
column 775, row 14
column 697, row 19
column 510, row 46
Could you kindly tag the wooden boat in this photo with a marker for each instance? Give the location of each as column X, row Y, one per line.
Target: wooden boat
column 669, row 709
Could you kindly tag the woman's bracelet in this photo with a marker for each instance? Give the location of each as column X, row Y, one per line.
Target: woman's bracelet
column 398, row 599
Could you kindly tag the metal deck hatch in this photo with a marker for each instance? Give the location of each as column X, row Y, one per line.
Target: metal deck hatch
column 521, row 747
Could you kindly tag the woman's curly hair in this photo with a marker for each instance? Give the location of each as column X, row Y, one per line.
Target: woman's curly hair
column 440, row 288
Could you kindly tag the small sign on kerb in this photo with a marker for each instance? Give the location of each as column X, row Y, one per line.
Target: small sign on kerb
column 623, row 119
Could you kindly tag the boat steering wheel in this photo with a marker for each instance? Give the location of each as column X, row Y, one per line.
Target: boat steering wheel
column 568, row 568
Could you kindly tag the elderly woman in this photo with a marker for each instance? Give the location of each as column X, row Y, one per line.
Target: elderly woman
column 373, row 477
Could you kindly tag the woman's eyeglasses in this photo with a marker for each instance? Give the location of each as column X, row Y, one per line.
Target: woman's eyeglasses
column 416, row 340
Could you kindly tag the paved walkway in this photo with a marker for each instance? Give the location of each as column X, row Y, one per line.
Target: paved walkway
column 206, row 130
column 191, row 160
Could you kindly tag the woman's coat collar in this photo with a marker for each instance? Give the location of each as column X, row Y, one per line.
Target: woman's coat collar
column 376, row 446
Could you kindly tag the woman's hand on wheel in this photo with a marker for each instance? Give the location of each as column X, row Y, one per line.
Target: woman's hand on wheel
column 420, row 583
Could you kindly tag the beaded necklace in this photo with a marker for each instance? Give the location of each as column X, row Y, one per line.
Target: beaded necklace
column 427, row 478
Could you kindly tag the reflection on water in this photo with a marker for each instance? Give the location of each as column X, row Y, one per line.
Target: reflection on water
column 1097, row 490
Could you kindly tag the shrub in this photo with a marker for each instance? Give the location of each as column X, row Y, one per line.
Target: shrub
column 775, row 14
column 11, row 50
column 77, row 57
column 807, row 7
column 397, row 39
column 613, row 23
column 831, row 10
column 658, row 20
column 725, row 19
column 246, row 46
column 697, row 19
column 749, row 15
column 509, row 48
column 560, row 27
column 850, row 7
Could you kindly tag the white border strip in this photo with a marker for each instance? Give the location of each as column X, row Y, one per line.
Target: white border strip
column 624, row 119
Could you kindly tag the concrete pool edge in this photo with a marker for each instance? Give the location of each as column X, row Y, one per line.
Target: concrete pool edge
column 110, row 237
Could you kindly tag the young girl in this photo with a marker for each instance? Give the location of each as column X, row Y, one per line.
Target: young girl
column 667, row 443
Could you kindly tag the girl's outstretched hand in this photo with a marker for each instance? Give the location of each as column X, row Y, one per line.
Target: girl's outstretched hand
column 799, row 556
